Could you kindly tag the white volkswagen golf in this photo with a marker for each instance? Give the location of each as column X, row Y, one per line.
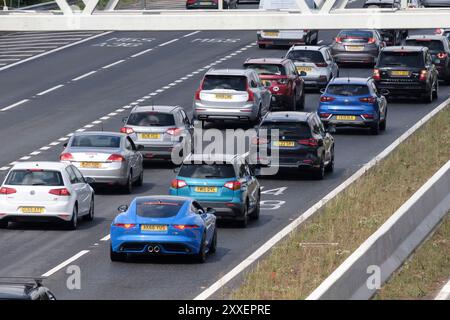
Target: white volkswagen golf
column 46, row 191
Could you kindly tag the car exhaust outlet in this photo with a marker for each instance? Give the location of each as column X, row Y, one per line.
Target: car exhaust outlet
column 156, row 249
column 150, row 249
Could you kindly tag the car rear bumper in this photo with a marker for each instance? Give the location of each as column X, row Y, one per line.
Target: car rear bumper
column 116, row 175
column 315, row 82
column 304, row 162
column 280, row 101
column 280, row 41
column 358, row 57
column 245, row 113
column 225, row 210
column 168, row 244
column 400, row 88
column 53, row 211
column 355, row 123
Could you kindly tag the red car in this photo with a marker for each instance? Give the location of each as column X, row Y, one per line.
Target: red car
column 283, row 81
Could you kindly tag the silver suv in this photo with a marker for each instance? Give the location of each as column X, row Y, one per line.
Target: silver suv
column 158, row 129
column 315, row 64
column 231, row 94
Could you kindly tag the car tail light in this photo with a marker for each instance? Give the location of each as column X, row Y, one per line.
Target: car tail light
column 259, row 141
column 423, row 75
column 371, row 40
column 338, row 40
column 311, row 142
column 441, row 55
column 376, row 75
column 283, row 81
column 324, row 115
column 185, row 226
column 173, row 131
column 251, row 95
column 197, row 94
column 322, row 64
column 116, row 158
column 6, row 190
column 63, row 192
column 66, row 157
column 125, row 225
column 126, row 130
column 177, row 184
column 233, row 185
column 368, row 115
column 367, row 99
column 326, row 99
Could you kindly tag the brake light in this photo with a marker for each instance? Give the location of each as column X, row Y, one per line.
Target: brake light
column 324, row 115
column 338, row 40
column 63, row 192
column 125, row 225
column 376, row 75
column 311, row 142
column 367, row 116
column 177, row 184
column 185, row 226
column 251, row 95
column 233, row 185
column 367, row 99
column 66, row 157
column 322, row 64
column 259, row 141
column 441, row 55
column 371, row 40
column 326, row 99
column 197, row 94
column 126, row 130
column 116, row 158
column 6, row 190
column 423, row 75
column 173, row 131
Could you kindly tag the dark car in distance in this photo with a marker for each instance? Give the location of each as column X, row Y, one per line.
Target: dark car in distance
column 23, row 288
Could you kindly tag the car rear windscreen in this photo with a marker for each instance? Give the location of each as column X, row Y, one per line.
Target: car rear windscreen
column 238, row 83
column 306, row 56
column 156, row 119
column 95, row 141
column 433, row 45
column 401, row 59
column 286, row 129
column 34, row 177
column 205, row 171
column 379, row 5
column 348, row 90
column 355, row 36
column 267, row 69
column 158, row 208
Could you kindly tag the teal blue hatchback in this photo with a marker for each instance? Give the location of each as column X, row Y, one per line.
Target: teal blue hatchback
column 223, row 182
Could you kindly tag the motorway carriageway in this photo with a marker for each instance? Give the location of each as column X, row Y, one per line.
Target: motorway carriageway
column 67, row 90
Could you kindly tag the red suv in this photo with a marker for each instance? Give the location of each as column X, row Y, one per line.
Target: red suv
column 283, row 81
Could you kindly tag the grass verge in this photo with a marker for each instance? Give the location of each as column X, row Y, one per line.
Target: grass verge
column 425, row 272
column 299, row 263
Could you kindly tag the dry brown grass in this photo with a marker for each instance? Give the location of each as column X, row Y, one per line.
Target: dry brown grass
column 298, row 264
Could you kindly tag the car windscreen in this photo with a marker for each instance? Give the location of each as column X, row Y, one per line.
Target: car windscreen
column 401, row 59
column 286, row 129
column 34, row 177
column 433, row 45
column 347, row 90
column 95, row 141
column 267, row 69
column 355, row 36
column 211, row 82
column 205, row 171
column 306, row 56
column 150, row 208
column 156, row 119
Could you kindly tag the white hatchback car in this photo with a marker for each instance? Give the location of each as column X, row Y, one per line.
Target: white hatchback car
column 46, row 191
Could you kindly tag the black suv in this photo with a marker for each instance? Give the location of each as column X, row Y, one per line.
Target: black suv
column 439, row 49
column 20, row 288
column 407, row 71
column 302, row 143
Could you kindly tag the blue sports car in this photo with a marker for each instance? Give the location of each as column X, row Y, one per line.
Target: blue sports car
column 353, row 102
column 163, row 225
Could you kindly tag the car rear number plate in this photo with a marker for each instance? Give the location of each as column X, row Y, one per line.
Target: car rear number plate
column 400, row 73
column 284, row 143
column 154, row 227
column 271, row 33
column 90, row 164
column 224, row 96
column 205, row 3
column 150, row 135
column 205, row 189
column 346, row 118
column 354, row 48
column 306, row 69
column 32, row 209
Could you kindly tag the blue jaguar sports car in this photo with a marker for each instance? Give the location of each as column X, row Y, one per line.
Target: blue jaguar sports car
column 163, row 225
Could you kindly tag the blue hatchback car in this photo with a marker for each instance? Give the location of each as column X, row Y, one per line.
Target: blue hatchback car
column 353, row 102
column 163, row 225
column 223, row 182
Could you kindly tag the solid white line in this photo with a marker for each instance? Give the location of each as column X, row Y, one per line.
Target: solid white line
column 112, row 64
column 168, row 42
column 141, row 53
column 65, row 263
column 84, row 76
column 54, row 50
column 106, row 238
column 50, row 90
column 312, row 210
column 190, row 34
column 15, row 104
column 444, row 294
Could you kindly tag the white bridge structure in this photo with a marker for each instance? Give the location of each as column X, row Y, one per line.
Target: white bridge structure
column 326, row 14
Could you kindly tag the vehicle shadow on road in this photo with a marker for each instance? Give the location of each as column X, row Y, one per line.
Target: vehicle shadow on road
column 54, row 226
column 177, row 259
column 115, row 190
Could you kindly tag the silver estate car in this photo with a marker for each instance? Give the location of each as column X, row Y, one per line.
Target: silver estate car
column 231, row 94
column 107, row 157
column 316, row 63
column 159, row 129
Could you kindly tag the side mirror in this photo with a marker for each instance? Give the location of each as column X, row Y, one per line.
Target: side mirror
column 331, row 129
column 122, row 208
column 124, row 119
column 139, row 147
column 384, row 92
column 322, row 90
column 253, row 84
column 210, row 210
column 89, row 180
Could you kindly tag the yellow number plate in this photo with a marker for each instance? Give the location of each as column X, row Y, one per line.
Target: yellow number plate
column 306, row 69
column 154, row 227
column 346, row 117
column 205, row 189
column 32, row 209
column 400, row 73
column 150, row 135
column 205, row 3
column 90, row 165
column 284, row 143
column 271, row 33
column 223, row 96
column 354, row 48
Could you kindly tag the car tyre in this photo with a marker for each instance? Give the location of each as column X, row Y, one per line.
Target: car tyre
column 139, row 182
column 257, row 210
column 384, row 122
column 244, row 221
column 301, row 103
column 436, row 89
column 375, row 128
column 3, row 224
column 73, row 223
column 200, row 257
column 117, row 256
column 90, row 215
column 128, row 186
column 330, row 166
column 261, row 45
column 213, row 246
column 319, row 174
column 428, row 97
